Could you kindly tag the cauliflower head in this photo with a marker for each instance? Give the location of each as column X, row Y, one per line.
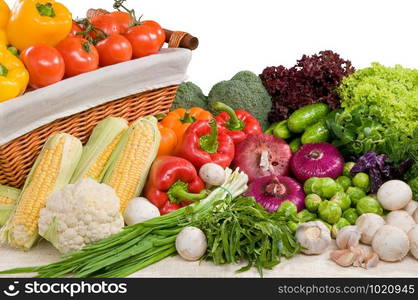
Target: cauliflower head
column 80, row 214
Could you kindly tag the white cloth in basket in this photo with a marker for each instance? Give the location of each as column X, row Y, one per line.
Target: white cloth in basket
column 70, row 96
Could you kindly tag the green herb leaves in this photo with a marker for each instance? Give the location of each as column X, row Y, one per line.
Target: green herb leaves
column 241, row 230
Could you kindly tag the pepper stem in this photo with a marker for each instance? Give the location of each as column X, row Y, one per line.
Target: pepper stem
column 179, row 193
column 187, row 118
column 3, row 70
column 233, row 123
column 209, row 142
column 45, row 10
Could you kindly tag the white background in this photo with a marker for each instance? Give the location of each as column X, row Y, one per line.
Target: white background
column 236, row 35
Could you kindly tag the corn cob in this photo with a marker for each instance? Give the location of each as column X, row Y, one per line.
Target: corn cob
column 52, row 170
column 98, row 149
column 128, row 167
column 8, row 197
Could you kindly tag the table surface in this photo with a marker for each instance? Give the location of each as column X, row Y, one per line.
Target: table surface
column 298, row 266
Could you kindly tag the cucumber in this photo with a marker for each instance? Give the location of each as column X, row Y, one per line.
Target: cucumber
column 295, row 144
column 271, row 128
column 281, row 131
column 307, row 116
column 316, row 133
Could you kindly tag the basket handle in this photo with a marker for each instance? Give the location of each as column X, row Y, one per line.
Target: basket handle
column 176, row 39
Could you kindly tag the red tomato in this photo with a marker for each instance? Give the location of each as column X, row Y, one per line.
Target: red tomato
column 158, row 28
column 106, row 23
column 113, row 50
column 75, row 28
column 144, row 40
column 45, row 65
column 123, row 19
column 80, row 56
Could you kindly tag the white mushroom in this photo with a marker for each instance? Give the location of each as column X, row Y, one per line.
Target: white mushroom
column 348, row 237
column 400, row 219
column 212, row 174
column 394, row 194
column 191, row 243
column 413, row 240
column 314, row 236
column 390, row 243
column 415, row 216
column 139, row 210
column 368, row 224
column 411, row 207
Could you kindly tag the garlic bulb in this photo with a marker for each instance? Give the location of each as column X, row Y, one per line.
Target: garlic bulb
column 348, row 237
column 371, row 261
column 400, row 219
column 344, row 257
column 314, row 236
column 390, row 243
column 368, row 224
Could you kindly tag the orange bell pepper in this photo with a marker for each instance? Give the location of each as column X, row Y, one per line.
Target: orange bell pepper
column 35, row 22
column 178, row 121
column 168, row 140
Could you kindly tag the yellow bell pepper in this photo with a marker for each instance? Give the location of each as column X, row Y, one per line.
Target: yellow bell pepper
column 38, row 22
column 3, row 38
column 4, row 14
column 14, row 77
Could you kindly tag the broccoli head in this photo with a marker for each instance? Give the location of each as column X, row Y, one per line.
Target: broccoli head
column 189, row 95
column 247, row 77
column 245, row 92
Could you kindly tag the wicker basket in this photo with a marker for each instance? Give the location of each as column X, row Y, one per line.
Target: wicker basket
column 18, row 155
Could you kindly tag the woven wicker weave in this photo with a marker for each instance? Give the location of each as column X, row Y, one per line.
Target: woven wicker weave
column 18, row 156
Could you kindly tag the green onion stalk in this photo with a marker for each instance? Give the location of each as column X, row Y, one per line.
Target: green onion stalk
column 139, row 245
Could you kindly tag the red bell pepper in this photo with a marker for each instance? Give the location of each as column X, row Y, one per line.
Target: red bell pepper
column 238, row 124
column 173, row 182
column 202, row 144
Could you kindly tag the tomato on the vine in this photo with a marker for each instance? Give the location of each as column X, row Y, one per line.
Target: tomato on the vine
column 124, row 19
column 145, row 39
column 113, row 50
column 75, row 28
column 105, row 22
column 158, row 28
column 80, row 56
column 45, row 65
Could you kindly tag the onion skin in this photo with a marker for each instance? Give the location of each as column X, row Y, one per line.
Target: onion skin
column 292, row 191
column 317, row 160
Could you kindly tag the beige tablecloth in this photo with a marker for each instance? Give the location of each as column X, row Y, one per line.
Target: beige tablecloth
column 299, row 266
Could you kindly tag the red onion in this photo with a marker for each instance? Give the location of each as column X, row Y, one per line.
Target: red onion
column 271, row 191
column 317, row 160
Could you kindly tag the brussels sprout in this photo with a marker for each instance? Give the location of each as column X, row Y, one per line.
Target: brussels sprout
column 355, row 194
column 306, row 216
column 312, row 202
column 342, row 199
column 325, row 187
column 337, row 226
column 329, row 211
column 288, row 208
column 362, row 180
column 340, row 188
column 344, row 181
column 350, row 215
column 347, row 169
column 369, row 205
column 307, row 187
column 293, row 226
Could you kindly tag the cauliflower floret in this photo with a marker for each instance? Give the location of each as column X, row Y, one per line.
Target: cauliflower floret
column 80, row 214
